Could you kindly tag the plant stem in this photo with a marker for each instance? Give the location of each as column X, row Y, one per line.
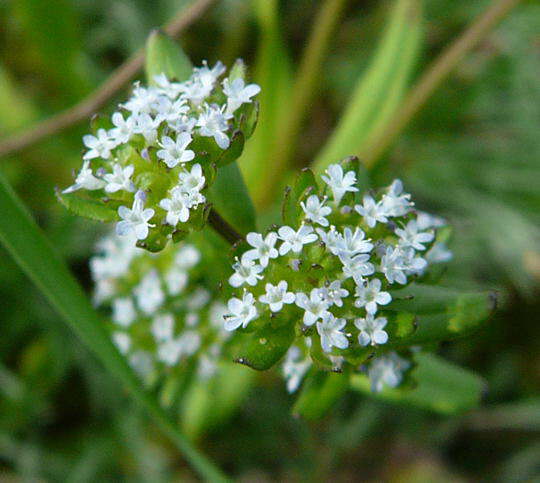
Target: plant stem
column 114, row 83
column 434, row 75
column 223, row 228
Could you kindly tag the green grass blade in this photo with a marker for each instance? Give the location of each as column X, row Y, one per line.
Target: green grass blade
column 38, row 259
column 273, row 74
column 379, row 86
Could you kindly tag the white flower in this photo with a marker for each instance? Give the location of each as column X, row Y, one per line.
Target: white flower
column 135, row 220
column 163, row 327
column 338, row 182
column 123, row 311
column 212, row 122
column 198, row 299
column 168, row 110
column 295, row 240
column 315, row 210
column 183, row 123
column 330, row 331
column 276, row 296
column 85, row 180
column 395, row 202
column 123, row 130
column 357, row 267
column 119, row 179
column 141, row 100
column 149, row 294
column 246, row 271
column 191, row 180
column 426, row 220
column 333, row 293
column 176, row 280
column 370, row 295
column 238, row 93
column 174, row 151
column 387, row 370
column 294, row 368
column 217, row 311
column 411, row 237
column 331, row 238
column 207, row 76
column 371, row 211
column 263, row 248
column 393, row 265
column 170, row 89
column 315, row 307
column 142, row 363
column 147, row 126
column 371, row 330
column 99, row 146
column 187, row 257
column 177, row 207
column 190, row 341
column 438, row 253
column 351, row 244
column 122, row 341
column 170, row 351
column 241, row 312
column 192, row 319
column 413, row 264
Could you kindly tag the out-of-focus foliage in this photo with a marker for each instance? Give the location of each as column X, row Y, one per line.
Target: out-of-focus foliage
column 473, row 155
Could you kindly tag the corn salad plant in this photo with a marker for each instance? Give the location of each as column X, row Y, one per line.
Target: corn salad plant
column 194, row 292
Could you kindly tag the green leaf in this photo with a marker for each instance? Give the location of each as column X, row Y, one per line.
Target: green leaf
column 230, row 198
column 208, row 403
column 233, row 152
column 263, row 348
column 381, row 87
column 164, row 56
column 38, row 259
column 442, row 313
column 441, row 386
column 86, row 207
column 291, row 208
column 320, row 392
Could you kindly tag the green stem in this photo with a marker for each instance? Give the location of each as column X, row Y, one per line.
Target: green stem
column 37, row 258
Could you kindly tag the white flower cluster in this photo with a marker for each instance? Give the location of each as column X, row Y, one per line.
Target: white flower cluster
column 160, row 314
column 335, row 270
column 153, row 137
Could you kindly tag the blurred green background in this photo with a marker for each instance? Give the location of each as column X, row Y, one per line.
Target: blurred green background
column 472, row 155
